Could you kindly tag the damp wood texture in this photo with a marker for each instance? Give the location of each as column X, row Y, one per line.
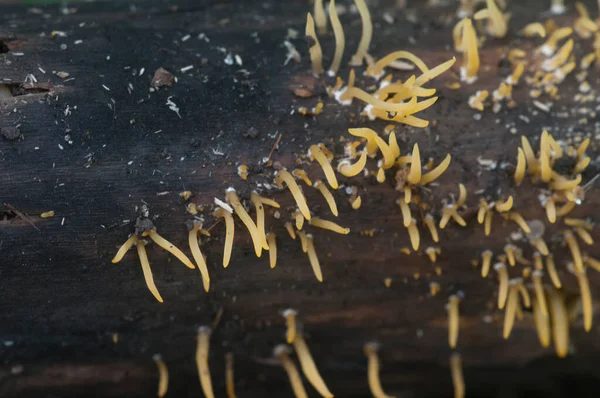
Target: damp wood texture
column 127, row 117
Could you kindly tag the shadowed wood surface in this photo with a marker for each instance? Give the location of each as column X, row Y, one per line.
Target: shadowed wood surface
column 97, row 145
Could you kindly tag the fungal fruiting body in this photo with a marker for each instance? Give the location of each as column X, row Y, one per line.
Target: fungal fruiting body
column 202, row 348
column 229, row 233
column 470, row 66
column 542, row 323
column 340, row 41
column 314, row 48
column 163, row 376
column 560, row 322
column 284, row 176
column 586, row 299
column 512, row 304
column 367, row 33
column 457, row 375
column 197, row 254
column 540, row 297
column 502, row 284
column 312, row 257
column 329, row 225
column 168, row 246
column 453, row 320
column 328, row 197
column 257, row 238
column 282, row 353
column 370, row 350
column 551, row 268
column 316, row 153
column 497, row 25
column 486, row 260
column 575, row 251
column 229, row 379
column 290, row 320
column 308, row 366
column 141, row 249
column 125, row 248
column 272, row 249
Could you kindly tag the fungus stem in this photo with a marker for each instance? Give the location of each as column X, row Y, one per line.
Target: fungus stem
column 367, row 33
column 560, row 322
column 457, row 375
column 125, row 248
column 340, row 41
column 290, row 320
column 414, row 175
column 197, row 254
column 586, row 299
column 504, row 206
column 312, row 257
column 163, row 375
column 511, row 309
column 350, row 170
column 328, row 197
column 405, row 210
column 168, row 246
column 314, row 48
column 202, row 348
column 486, row 262
column 272, row 249
column 316, row 153
column 229, row 378
column 284, row 176
column 436, row 172
column 229, row 234
column 259, row 242
column 320, row 18
column 430, row 223
column 413, row 233
column 552, row 271
column 309, row 368
column 540, row 297
column 281, row 352
column 503, row 284
column 575, row 251
column 370, row 350
column 453, row 320
column 542, row 322
column 330, row 225
column 141, row 249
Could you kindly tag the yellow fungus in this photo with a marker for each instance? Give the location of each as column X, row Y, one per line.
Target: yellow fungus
column 532, row 162
column 487, row 226
column 462, row 197
column 197, row 254
column 550, row 210
column 282, row 352
column 314, row 48
column 560, row 322
column 457, row 33
column 47, row 214
column 369, row 135
column 340, row 41
column 453, row 320
column 202, row 348
column 301, row 174
column 540, row 297
column 290, row 230
column 510, row 254
column 125, row 248
column 242, row 171
column 542, row 322
column 483, row 208
column 229, row 379
column 141, row 249
column 430, row 223
column 257, row 238
column 272, row 249
column 405, row 210
column 523, row 293
column 574, row 249
column 316, row 153
column 329, row 225
column 540, row 245
column 520, row 221
column 320, row 18
column 370, row 350
column 290, row 320
column 229, row 234
column 168, row 246
column 565, row 209
column 497, row 25
column 458, row 380
column 303, row 241
column 436, row 172
column 470, row 65
column 579, row 223
column 504, row 206
column 503, row 284
column 260, row 218
column 537, row 261
column 582, row 148
column 308, row 366
column 328, row 197
column 456, row 217
column 561, row 56
column 414, row 175
column 284, row 176
column 163, row 376
column 546, row 169
column 512, row 304
column 404, row 108
column 367, row 33
column 299, row 219
column 347, row 169
column 312, row 256
column 413, row 233
column 534, row 29
column 549, row 47
column 446, row 214
column 584, row 235
column 552, row 271
column 592, row 262
column 581, row 165
column 586, row 299
column 486, row 260
column 407, row 194
column 432, row 254
column 376, row 70
column 380, row 175
column 356, row 203
column 434, row 72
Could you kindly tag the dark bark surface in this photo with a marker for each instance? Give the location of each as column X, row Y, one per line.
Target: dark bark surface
column 97, row 145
